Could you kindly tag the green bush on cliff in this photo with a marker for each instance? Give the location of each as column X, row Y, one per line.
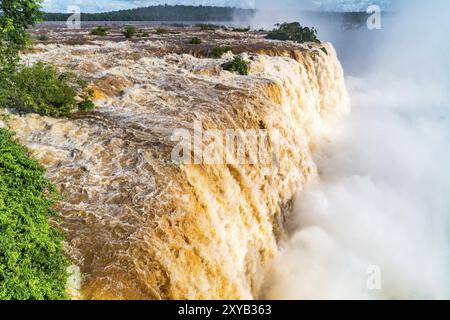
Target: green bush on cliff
column 247, row 29
column 293, row 32
column 218, row 52
column 16, row 16
column 161, row 31
column 195, row 41
column 100, row 31
column 32, row 264
column 39, row 88
column 129, row 32
column 238, row 65
column 143, row 34
column 43, row 90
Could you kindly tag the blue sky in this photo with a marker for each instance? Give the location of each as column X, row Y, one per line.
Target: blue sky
column 110, row 5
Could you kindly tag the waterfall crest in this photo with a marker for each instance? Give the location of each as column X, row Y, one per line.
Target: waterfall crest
column 141, row 226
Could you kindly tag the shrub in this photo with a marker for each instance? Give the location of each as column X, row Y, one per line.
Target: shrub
column 293, row 32
column 86, row 104
column 16, row 16
column 41, row 89
column 100, row 31
column 195, row 41
column 129, row 32
column 218, row 52
column 208, row 27
column 238, row 65
column 143, row 34
column 32, row 264
column 241, row 29
column 162, row 31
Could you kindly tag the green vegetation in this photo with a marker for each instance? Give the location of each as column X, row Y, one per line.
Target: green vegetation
column 293, row 32
column 218, row 52
column 209, row 27
column 350, row 20
column 237, row 65
column 39, row 88
column 100, row 31
column 162, row 31
column 32, row 264
column 86, row 105
column 163, row 13
column 43, row 90
column 129, row 32
column 195, row 41
column 241, row 29
column 15, row 18
column 143, row 34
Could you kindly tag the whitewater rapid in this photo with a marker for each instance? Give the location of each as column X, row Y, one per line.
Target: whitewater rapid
column 141, row 226
column 375, row 225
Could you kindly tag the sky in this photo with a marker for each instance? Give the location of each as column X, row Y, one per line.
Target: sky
column 111, row 5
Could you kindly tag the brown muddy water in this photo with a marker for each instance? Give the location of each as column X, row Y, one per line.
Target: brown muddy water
column 139, row 225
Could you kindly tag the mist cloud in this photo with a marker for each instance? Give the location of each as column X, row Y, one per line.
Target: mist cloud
column 382, row 199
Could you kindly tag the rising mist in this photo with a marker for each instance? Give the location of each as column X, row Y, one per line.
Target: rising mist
column 376, row 225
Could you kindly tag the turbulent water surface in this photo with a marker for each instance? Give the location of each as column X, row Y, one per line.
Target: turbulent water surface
column 347, row 207
column 376, row 225
column 141, row 226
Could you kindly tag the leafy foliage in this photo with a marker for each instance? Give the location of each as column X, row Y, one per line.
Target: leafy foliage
column 32, row 265
column 17, row 16
column 129, row 32
column 162, row 31
column 163, row 13
column 293, row 32
column 143, row 34
column 195, row 41
column 43, row 90
column 87, row 104
column 247, row 29
column 218, row 52
column 100, row 31
column 238, row 65
column 209, row 26
column 40, row 88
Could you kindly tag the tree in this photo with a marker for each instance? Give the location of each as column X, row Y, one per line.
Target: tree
column 293, row 32
column 16, row 17
column 32, row 265
column 163, row 13
column 32, row 262
column 238, row 65
column 40, row 89
column 129, row 32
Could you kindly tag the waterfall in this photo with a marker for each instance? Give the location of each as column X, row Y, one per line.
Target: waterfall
column 142, row 226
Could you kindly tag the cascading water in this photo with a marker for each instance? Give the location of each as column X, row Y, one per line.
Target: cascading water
column 141, row 226
column 376, row 224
